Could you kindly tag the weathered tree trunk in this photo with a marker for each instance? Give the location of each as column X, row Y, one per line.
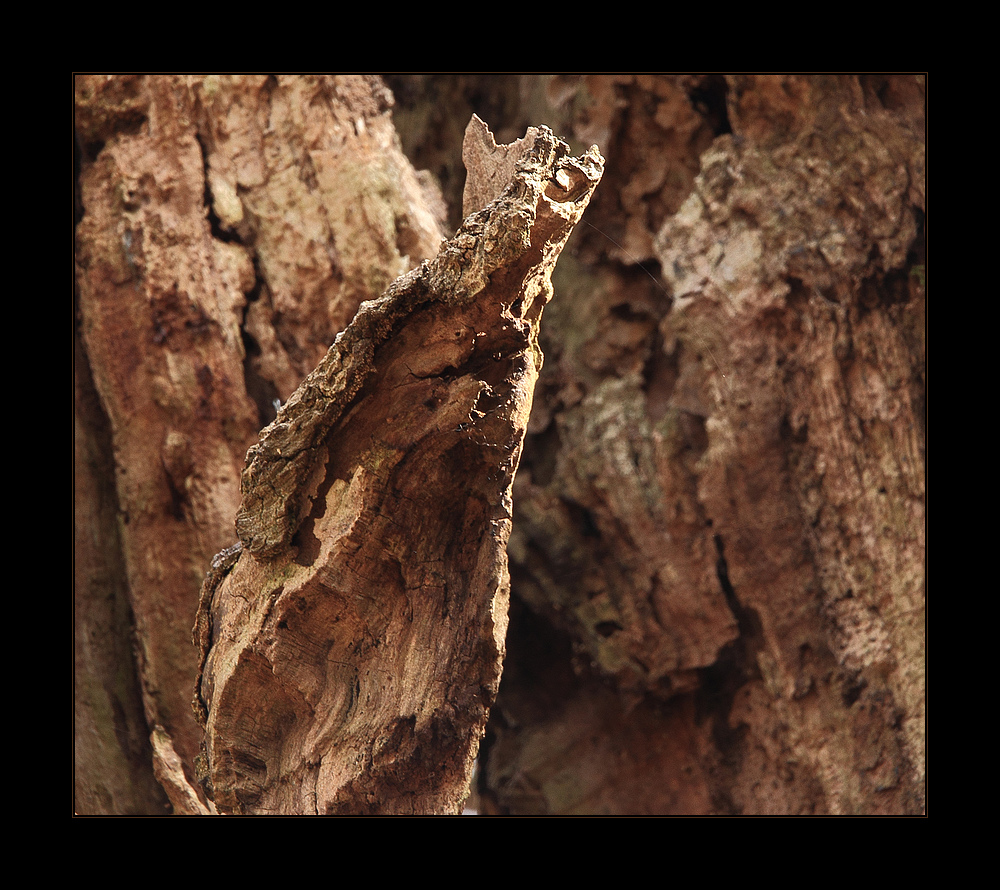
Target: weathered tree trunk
column 113, row 771
column 717, row 546
column 354, row 646
column 721, row 502
column 228, row 229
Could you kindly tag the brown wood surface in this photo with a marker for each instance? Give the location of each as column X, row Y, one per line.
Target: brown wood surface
column 353, row 649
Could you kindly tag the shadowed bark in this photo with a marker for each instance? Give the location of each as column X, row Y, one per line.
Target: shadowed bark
column 721, row 504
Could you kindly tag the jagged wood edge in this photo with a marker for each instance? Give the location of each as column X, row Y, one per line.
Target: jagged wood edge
column 495, row 240
column 496, row 236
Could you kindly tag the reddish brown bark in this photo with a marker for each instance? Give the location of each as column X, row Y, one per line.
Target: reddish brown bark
column 216, row 261
column 717, row 546
column 159, row 301
column 721, row 500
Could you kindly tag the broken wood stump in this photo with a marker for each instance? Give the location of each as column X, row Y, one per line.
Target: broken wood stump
column 352, row 642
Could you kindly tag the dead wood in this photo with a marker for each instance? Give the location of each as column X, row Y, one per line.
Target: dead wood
column 353, row 642
column 228, row 228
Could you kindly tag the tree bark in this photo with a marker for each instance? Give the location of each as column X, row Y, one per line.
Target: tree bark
column 228, row 228
column 113, row 771
column 721, row 504
column 717, row 546
column 353, row 643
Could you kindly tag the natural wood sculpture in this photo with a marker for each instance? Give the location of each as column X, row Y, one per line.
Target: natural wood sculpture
column 353, row 640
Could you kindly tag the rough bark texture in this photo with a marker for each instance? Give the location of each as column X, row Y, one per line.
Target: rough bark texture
column 227, row 229
column 721, row 501
column 789, row 267
column 354, row 645
column 113, row 771
column 717, row 547
column 718, row 529
column 159, row 301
